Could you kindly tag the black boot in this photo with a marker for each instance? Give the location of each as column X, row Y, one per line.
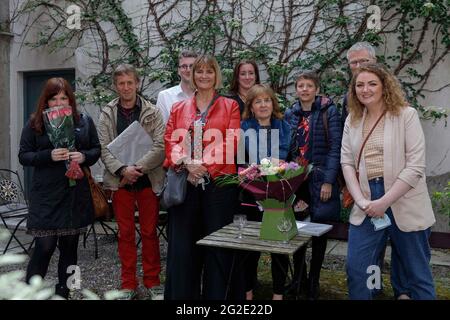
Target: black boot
column 62, row 291
column 318, row 248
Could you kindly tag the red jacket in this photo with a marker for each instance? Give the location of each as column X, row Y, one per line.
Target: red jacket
column 219, row 145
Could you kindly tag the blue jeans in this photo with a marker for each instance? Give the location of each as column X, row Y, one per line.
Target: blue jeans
column 411, row 269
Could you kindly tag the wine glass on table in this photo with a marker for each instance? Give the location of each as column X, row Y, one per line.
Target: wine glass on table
column 240, row 220
column 284, row 226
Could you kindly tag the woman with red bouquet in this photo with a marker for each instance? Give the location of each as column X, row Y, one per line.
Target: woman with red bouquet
column 58, row 212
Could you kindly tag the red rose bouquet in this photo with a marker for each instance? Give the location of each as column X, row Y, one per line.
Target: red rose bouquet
column 59, row 125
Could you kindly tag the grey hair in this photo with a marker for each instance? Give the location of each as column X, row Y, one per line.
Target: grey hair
column 363, row 46
column 125, row 68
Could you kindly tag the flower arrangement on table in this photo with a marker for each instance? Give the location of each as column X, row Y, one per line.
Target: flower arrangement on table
column 273, row 184
column 59, row 125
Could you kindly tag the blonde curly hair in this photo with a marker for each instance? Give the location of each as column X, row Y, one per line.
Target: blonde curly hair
column 393, row 95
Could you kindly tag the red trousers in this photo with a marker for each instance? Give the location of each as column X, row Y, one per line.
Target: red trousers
column 124, row 208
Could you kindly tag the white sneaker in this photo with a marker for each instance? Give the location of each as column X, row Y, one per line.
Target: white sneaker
column 156, row 292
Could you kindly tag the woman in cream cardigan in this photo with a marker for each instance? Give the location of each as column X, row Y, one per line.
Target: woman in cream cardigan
column 391, row 197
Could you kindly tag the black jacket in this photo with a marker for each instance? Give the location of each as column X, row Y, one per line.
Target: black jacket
column 52, row 203
column 326, row 155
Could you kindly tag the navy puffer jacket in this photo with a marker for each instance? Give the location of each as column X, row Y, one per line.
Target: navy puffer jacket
column 325, row 155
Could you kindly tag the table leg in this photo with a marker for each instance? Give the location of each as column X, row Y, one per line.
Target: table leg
column 300, row 271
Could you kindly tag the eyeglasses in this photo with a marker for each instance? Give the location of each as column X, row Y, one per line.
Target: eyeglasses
column 358, row 62
column 261, row 101
column 185, row 66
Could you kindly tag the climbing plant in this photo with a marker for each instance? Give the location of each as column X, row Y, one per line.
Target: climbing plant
column 283, row 36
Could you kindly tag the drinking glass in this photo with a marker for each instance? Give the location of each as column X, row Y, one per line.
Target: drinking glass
column 284, row 226
column 240, row 220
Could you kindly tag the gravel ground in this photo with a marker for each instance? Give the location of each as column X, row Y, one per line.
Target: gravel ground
column 97, row 275
column 103, row 274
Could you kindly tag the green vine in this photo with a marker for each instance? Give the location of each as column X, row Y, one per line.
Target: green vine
column 266, row 32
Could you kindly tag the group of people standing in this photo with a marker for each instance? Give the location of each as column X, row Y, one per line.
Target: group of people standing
column 388, row 180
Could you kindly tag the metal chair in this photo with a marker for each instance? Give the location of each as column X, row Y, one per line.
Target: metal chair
column 94, row 233
column 160, row 227
column 13, row 206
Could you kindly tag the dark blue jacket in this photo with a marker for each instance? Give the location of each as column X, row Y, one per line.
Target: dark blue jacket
column 325, row 155
column 285, row 140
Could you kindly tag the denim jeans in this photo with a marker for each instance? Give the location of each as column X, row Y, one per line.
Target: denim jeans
column 411, row 256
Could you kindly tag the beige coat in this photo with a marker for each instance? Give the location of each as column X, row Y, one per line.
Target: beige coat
column 404, row 159
column 152, row 121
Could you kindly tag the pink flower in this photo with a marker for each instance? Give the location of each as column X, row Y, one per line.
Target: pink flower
column 67, row 111
column 292, row 166
column 53, row 114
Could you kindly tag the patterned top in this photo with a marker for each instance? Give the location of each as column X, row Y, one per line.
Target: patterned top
column 196, row 136
column 303, row 137
column 373, row 150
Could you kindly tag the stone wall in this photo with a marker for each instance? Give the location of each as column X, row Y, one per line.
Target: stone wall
column 438, row 183
column 5, row 38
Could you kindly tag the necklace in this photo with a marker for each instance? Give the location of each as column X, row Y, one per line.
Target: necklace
column 243, row 98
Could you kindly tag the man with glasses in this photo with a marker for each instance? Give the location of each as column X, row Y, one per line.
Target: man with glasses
column 182, row 91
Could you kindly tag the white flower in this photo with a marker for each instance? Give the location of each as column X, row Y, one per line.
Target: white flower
column 265, row 162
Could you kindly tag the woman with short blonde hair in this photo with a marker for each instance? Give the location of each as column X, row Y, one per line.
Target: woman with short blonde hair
column 194, row 272
column 209, row 61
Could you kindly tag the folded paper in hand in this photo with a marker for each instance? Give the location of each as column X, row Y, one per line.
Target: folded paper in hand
column 131, row 145
column 381, row 223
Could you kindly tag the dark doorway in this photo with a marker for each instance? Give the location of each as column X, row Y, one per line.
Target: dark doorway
column 32, row 87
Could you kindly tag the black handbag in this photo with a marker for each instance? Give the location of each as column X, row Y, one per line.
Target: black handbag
column 174, row 191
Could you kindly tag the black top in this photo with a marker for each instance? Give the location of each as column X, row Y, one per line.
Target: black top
column 238, row 99
column 125, row 117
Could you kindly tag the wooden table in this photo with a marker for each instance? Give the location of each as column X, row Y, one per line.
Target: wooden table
column 227, row 238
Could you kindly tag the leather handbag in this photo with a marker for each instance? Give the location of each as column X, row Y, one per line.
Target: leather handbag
column 100, row 201
column 174, row 191
column 347, row 199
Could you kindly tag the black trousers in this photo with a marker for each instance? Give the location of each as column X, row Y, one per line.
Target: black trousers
column 279, row 268
column 279, row 263
column 43, row 251
column 195, row 272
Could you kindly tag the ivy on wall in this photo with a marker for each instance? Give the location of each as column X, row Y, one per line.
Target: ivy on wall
column 283, row 36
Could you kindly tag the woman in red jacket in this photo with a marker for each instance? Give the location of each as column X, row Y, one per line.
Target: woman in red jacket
column 201, row 138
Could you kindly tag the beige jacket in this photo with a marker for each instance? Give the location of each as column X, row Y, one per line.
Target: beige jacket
column 404, row 159
column 152, row 121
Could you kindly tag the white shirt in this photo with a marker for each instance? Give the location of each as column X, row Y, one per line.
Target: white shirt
column 167, row 98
